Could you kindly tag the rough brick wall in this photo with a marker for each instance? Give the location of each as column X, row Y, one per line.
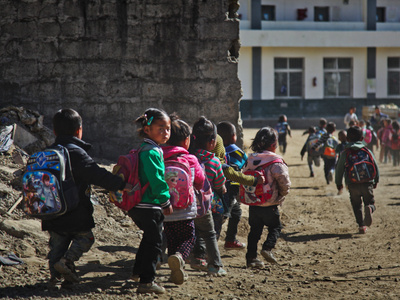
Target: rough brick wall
column 112, row 59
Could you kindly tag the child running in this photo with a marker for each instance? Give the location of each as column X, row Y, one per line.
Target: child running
column 283, row 129
column 179, row 226
column 155, row 126
column 313, row 157
column 360, row 184
column 204, row 140
column 277, row 174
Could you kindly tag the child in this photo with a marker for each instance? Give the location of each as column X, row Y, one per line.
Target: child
column 395, row 143
column 71, row 234
column 359, row 191
column 342, row 136
column 179, row 226
column 312, row 156
column 235, row 159
column 386, row 139
column 329, row 143
column 203, row 141
column 264, row 145
column 155, row 126
column 283, row 130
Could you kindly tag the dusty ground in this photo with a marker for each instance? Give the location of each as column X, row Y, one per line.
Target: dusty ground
column 321, row 254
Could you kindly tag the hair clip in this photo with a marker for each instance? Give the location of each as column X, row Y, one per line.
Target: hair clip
column 150, row 120
column 194, row 137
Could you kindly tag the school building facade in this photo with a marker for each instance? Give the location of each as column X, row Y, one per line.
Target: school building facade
column 316, row 58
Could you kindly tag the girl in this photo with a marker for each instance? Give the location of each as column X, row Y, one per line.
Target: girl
column 395, row 142
column 155, row 126
column 203, row 141
column 277, row 174
column 179, row 226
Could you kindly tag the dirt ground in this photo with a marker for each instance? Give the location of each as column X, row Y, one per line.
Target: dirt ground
column 320, row 253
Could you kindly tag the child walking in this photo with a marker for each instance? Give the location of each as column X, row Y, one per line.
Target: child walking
column 154, row 128
column 179, row 226
column 204, row 140
column 71, row 234
column 283, row 129
column 264, row 145
column 313, row 157
column 360, row 185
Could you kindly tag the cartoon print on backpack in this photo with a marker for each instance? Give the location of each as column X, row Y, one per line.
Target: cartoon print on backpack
column 179, row 182
column 360, row 166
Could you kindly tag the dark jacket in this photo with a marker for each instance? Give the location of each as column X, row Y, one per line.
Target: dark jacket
column 85, row 171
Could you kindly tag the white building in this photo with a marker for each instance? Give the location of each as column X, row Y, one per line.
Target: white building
column 346, row 50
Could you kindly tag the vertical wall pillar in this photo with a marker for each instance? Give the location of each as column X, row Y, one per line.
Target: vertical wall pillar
column 371, row 51
column 256, row 51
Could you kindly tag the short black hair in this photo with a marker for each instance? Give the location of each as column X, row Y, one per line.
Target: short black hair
column 66, row 122
column 331, row 127
column 354, row 134
column 322, row 122
column 226, row 130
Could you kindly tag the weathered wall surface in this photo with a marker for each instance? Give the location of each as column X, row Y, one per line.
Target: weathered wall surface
column 112, row 59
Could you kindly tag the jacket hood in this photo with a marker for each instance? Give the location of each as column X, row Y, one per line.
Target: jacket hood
column 355, row 145
column 219, row 149
column 204, row 155
column 257, row 159
column 173, row 150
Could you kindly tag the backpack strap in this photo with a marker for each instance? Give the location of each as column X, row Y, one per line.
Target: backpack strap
column 277, row 160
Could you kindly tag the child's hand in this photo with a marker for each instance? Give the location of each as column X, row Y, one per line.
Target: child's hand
column 375, row 185
column 261, row 179
column 167, row 211
column 302, row 157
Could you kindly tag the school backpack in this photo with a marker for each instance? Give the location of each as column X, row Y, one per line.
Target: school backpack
column 204, row 196
column 359, row 165
column 281, row 127
column 330, row 148
column 127, row 168
column 312, row 140
column 49, row 189
column 179, row 179
column 261, row 193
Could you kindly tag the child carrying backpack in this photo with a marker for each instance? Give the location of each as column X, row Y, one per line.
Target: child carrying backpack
column 358, row 165
column 313, row 156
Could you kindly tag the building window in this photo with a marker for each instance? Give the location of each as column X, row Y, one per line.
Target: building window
column 288, row 77
column 338, row 77
column 380, row 14
column 393, row 76
column 321, row 13
column 268, row 12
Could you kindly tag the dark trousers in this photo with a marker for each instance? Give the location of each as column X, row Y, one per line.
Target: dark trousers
column 150, row 221
column 180, row 236
column 234, row 218
column 258, row 218
column 359, row 193
column 329, row 165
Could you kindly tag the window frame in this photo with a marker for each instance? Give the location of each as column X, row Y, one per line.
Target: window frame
column 286, row 71
column 339, row 70
column 393, row 69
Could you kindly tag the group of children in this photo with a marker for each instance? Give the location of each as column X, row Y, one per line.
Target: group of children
column 211, row 156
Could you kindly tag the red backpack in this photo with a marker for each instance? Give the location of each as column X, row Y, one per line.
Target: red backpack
column 261, row 193
column 360, row 165
column 127, row 167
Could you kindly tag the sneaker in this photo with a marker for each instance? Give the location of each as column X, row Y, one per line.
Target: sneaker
column 135, row 277
column 176, row 264
column 199, row 264
column 368, row 216
column 68, row 285
column 216, row 271
column 269, row 257
column 235, row 245
column 151, row 287
column 330, row 177
column 67, row 269
column 362, row 229
column 255, row 263
column 312, row 174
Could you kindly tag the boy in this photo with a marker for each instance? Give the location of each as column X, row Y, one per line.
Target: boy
column 312, row 156
column 235, row 160
column 360, row 190
column 71, row 234
column 283, row 129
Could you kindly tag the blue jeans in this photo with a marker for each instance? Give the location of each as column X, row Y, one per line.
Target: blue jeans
column 150, row 221
column 207, row 240
column 70, row 245
column 258, row 218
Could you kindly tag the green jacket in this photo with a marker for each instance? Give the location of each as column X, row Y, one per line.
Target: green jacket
column 151, row 170
column 340, row 166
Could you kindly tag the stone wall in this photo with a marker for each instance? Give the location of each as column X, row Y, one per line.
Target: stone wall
column 112, row 59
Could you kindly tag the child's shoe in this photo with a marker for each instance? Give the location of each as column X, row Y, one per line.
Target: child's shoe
column 235, row 245
column 368, row 215
column 176, row 264
column 53, row 282
column 330, row 176
column 216, row 271
column 135, row 277
column 362, row 230
column 255, row 263
column 67, row 269
column 312, row 174
column 151, row 287
column 269, row 257
column 199, row 264
column 68, row 285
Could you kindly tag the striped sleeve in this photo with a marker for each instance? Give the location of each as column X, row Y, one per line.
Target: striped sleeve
column 214, row 173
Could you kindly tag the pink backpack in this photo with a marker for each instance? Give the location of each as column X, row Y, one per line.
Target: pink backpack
column 179, row 179
column 127, row 167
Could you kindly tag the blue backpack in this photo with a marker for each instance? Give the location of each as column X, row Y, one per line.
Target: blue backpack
column 49, row 189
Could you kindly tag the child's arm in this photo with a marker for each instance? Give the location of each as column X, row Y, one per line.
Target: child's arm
column 199, row 176
column 236, row 176
column 289, row 130
column 339, row 171
column 303, row 150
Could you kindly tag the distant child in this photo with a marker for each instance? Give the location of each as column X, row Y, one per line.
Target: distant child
column 71, row 234
column 204, row 138
column 179, row 226
column 395, row 143
column 312, row 156
column 235, row 161
column 329, row 143
column 353, row 162
column 264, row 145
column 342, row 136
column 321, row 129
column 386, row 139
column 154, row 127
column 283, row 129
